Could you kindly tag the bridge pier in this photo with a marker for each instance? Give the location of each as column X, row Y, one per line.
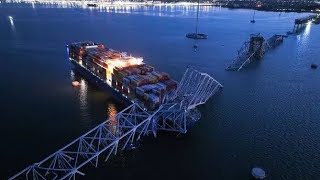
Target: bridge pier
column 297, row 27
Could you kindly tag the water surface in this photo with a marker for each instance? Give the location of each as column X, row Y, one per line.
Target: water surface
column 266, row 115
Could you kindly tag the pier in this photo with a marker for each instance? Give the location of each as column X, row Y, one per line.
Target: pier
column 254, row 49
column 300, row 23
column 118, row 132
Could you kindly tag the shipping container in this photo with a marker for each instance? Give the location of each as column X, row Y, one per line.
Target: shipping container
column 161, row 86
column 146, row 68
column 157, row 92
column 127, row 74
column 136, row 70
column 140, row 91
column 146, row 96
column 138, row 81
column 122, row 74
column 171, row 84
column 126, row 81
column 161, row 76
column 154, row 99
column 135, row 76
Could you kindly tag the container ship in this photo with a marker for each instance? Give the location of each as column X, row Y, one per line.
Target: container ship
column 126, row 77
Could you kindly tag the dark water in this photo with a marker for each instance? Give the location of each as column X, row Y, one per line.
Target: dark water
column 266, row 115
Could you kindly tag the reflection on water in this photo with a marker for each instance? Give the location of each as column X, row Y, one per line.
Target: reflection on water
column 307, row 30
column 83, row 98
column 303, row 40
column 167, row 10
column 83, row 91
column 12, row 23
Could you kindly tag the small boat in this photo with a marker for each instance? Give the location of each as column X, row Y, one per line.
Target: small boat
column 196, row 36
column 75, row 83
column 314, row 66
column 258, row 173
column 92, row 5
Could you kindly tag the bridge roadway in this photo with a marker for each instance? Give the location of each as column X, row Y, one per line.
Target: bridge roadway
column 121, row 130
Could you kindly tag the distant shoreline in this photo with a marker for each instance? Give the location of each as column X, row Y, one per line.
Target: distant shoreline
column 148, row 3
column 108, row 4
column 274, row 10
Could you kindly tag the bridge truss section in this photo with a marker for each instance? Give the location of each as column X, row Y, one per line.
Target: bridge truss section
column 254, row 49
column 195, row 88
column 96, row 145
column 177, row 114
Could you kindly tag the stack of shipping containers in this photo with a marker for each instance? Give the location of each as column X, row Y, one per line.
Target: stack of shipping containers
column 128, row 75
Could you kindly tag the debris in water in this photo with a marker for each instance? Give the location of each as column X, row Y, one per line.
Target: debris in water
column 258, row 173
column 75, row 83
column 314, row 66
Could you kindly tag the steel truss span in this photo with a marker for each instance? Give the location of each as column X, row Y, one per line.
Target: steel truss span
column 121, row 130
column 195, row 88
column 98, row 144
column 254, row 49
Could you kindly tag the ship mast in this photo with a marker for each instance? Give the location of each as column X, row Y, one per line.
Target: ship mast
column 254, row 13
column 197, row 16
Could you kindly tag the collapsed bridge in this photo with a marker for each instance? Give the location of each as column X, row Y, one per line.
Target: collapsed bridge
column 254, row 49
column 177, row 114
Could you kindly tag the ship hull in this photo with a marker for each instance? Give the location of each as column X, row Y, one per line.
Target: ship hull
column 100, row 83
column 91, row 78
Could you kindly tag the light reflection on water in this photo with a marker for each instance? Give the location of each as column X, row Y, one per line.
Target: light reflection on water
column 13, row 28
column 303, row 41
column 83, row 99
column 307, row 30
column 86, row 114
column 155, row 10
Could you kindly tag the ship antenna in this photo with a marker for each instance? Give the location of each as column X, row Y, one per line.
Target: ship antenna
column 197, row 16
